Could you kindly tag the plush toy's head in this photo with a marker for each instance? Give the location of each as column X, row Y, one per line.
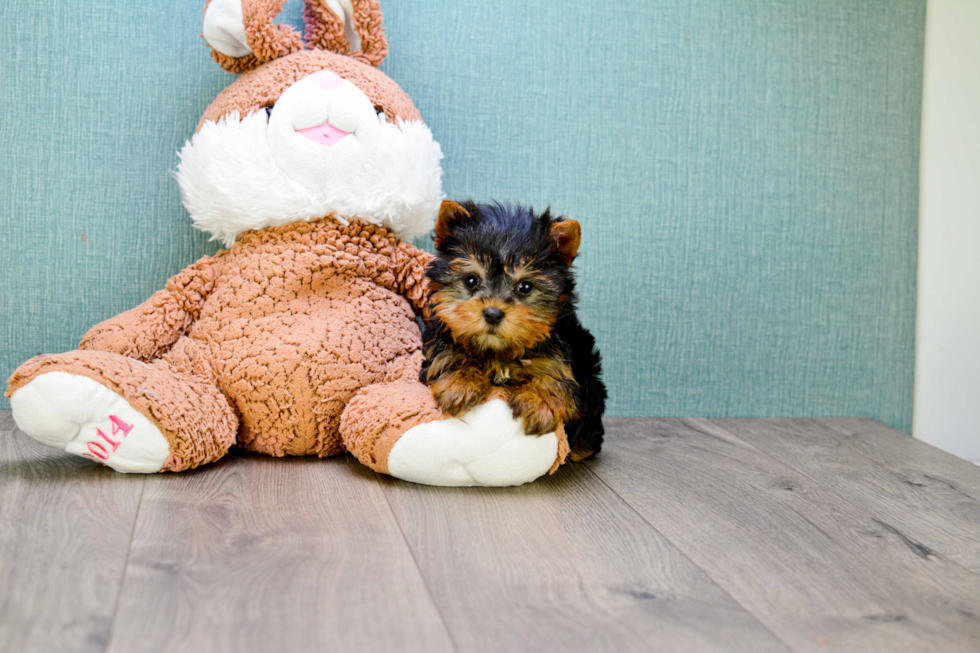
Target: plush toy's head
column 309, row 129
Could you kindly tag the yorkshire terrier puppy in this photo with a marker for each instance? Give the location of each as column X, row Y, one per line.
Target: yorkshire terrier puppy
column 501, row 312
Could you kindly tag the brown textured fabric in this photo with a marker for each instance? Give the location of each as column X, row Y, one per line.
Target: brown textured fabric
column 280, row 332
column 263, row 86
column 324, row 29
column 281, row 50
column 237, row 65
column 368, row 23
column 176, row 393
column 379, row 415
column 149, row 330
column 299, row 339
column 267, row 40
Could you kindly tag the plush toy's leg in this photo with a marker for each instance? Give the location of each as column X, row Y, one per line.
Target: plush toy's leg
column 133, row 417
column 396, row 428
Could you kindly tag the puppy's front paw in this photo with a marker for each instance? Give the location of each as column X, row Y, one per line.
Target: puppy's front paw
column 458, row 392
column 540, row 413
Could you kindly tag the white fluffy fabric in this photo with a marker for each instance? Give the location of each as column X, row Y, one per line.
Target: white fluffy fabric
column 486, row 446
column 224, row 28
column 73, row 413
column 234, row 177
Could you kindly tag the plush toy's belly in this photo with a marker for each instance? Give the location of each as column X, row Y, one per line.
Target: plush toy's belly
column 290, row 360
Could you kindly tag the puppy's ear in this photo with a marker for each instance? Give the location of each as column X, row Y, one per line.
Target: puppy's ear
column 450, row 214
column 565, row 238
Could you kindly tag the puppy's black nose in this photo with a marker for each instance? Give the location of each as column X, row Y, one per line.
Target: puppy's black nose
column 493, row 315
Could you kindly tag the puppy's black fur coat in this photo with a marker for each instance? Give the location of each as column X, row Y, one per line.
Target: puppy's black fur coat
column 488, row 256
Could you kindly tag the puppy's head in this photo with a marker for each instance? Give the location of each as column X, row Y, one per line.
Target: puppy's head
column 501, row 278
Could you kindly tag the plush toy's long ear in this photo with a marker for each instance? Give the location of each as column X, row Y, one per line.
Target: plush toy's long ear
column 450, row 213
column 565, row 238
column 242, row 34
column 342, row 25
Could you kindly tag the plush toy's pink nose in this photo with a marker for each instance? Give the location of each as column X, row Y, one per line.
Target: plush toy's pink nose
column 327, row 80
column 325, row 134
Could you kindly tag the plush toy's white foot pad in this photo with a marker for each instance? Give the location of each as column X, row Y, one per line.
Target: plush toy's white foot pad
column 87, row 419
column 486, row 446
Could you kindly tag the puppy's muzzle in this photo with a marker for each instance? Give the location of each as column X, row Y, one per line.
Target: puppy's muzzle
column 493, row 316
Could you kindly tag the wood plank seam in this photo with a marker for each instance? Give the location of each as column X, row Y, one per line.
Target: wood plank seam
column 835, row 426
column 918, row 548
column 681, row 551
column 125, row 567
column 754, row 536
column 87, row 506
column 425, row 581
column 564, row 563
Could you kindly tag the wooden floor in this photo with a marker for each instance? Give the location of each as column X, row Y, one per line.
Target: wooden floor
column 685, row 535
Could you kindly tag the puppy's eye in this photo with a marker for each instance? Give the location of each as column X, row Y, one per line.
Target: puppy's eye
column 268, row 112
column 471, row 281
column 525, row 288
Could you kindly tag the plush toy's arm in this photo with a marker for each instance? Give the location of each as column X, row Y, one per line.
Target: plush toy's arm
column 410, row 262
column 149, row 330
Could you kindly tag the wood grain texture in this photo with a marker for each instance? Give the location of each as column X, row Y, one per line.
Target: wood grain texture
column 815, row 569
column 913, row 459
column 263, row 554
column 757, row 535
column 927, row 494
column 563, row 564
column 65, row 527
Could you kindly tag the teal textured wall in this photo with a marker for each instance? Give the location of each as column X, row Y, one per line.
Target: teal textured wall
column 745, row 174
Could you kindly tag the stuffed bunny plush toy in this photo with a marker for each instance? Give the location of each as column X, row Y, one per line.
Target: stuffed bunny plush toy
column 314, row 169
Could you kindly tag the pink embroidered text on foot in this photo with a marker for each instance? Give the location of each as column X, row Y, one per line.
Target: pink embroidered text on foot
column 97, row 450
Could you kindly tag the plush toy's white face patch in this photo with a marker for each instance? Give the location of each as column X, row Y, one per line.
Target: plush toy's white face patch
column 322, row 149
column 320, row 129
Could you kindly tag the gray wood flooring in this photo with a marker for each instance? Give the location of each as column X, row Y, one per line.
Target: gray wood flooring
column 684, row 535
